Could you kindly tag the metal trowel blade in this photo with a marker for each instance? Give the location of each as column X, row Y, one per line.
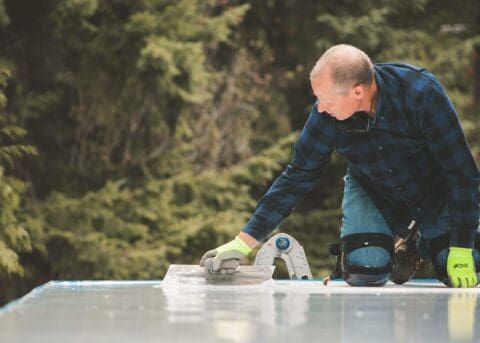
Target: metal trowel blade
column 192, row 274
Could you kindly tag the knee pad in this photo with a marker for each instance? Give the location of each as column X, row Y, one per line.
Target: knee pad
column 362, row 275
column 437, row 245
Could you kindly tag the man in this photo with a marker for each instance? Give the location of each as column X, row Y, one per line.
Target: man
column 409, row 167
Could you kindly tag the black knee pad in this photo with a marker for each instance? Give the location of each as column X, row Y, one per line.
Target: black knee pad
column 366, row 275
column 361, row 279
column 436, row 245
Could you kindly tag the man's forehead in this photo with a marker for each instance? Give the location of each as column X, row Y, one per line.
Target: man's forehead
column 322, row 84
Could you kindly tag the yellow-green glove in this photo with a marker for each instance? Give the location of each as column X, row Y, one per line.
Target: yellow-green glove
column 226, row 257
column 461, row 267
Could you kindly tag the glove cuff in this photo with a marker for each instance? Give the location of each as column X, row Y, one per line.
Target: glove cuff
column 241, row 246
column 461, row 250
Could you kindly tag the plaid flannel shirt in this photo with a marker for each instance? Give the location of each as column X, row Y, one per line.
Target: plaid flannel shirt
column 412, row 158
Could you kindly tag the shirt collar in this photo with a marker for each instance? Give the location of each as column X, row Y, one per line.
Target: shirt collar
column 382, row 108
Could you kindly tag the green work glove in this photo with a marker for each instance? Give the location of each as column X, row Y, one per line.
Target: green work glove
column 226, row 258
column 461, row 267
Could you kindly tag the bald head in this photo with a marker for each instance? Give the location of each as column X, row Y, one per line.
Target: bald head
column 346, row 65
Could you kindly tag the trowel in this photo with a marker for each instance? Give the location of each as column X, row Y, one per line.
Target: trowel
column 192, row 274
column 282, row 246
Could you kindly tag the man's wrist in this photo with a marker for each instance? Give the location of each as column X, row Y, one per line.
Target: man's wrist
column 249, row 240
column 461, row 249
column 462, row 238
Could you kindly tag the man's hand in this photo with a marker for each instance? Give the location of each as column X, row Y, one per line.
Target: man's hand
column 461, row 268
column 227, row 256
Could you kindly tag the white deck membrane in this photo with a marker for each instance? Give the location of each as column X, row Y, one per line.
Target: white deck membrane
column 276, row 311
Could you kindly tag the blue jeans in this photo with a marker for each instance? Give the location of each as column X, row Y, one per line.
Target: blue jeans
column 360, row 215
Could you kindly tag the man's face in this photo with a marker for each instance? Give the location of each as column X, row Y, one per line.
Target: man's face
column 340, row 106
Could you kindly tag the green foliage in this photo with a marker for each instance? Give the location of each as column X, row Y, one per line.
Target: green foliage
column 4, row 20
column 10, row 153
column 123, row 232
column 13, row 236
column 119, row 78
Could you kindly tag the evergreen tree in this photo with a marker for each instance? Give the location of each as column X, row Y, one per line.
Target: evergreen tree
column 13, row 236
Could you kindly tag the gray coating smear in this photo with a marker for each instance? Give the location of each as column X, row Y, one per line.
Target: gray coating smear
column 279, row 311
column 186, row 274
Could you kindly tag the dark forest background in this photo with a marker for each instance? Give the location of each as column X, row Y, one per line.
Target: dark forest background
column 139, row 133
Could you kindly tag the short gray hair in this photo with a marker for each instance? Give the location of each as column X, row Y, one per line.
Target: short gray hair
column 347, row 65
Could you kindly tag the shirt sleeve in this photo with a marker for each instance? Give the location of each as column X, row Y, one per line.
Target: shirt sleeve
column 447, row 143
column 312, row 152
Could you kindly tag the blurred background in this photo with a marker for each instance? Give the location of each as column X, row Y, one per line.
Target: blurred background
column 139, row 133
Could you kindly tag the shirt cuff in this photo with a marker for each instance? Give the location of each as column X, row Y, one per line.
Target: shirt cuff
column 257, row 234
column 462, row 238
column 258, row 227
column 261, row 225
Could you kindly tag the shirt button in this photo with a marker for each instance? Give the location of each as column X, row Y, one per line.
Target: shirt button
column 390, row 171
column 380, row 147
column 399, row 189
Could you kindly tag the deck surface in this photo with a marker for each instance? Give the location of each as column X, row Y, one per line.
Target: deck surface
column 276, row 311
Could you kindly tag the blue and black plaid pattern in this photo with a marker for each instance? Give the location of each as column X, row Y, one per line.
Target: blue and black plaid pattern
column 412, row 158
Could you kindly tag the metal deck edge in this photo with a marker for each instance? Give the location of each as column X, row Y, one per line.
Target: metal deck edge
column 14, row 303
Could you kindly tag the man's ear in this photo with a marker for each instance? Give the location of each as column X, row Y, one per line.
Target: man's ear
column 358, row 91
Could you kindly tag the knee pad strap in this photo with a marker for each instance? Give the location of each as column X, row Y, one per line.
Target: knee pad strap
column 363, row 240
